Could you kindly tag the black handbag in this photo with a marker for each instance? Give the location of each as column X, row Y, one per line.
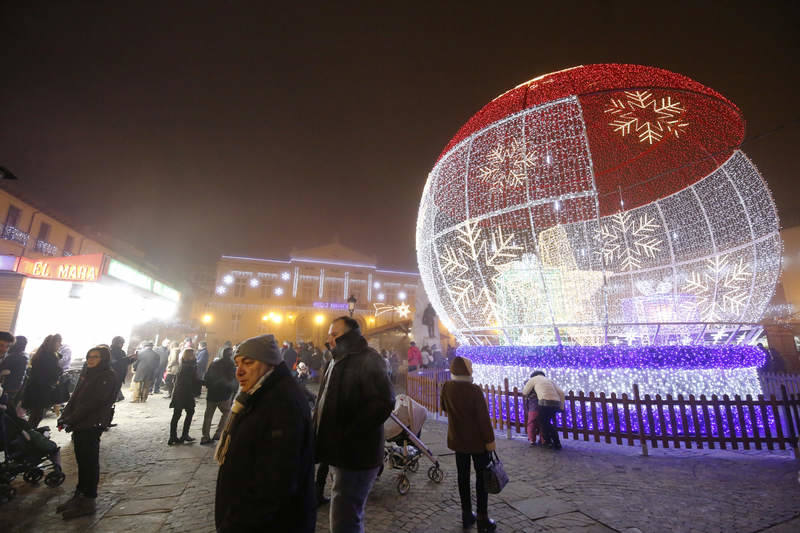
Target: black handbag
column 60, row 391
column 494, row 475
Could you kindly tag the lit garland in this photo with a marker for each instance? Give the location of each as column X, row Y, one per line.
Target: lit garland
column 12, row 233
column 665, row 357
column 581, row 373
column 594, row 198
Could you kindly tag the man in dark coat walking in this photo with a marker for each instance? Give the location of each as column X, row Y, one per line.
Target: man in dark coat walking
column 221, row 384
column 354, row 401
column 265, row 480
column 289, row 357
column 145, row 367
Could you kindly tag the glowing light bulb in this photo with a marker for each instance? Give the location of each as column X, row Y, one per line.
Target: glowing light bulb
column 254, row 282
column 278, row 291
column 227, row 279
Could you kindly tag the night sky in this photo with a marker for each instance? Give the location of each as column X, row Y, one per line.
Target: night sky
column 195, row 131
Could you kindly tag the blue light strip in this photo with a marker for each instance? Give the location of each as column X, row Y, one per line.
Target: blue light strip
column 607, row 356
column 236, row 257
column 326, row 262
column 398, row 272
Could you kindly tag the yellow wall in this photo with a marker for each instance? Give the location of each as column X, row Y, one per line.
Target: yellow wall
column 298, row 316
column 30, row 222
column 790, row 277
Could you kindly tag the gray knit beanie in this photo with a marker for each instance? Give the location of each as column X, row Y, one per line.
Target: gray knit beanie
column 262, row 348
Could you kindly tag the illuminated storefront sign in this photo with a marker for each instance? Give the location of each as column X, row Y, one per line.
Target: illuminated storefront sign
column 166, row 291
column 121, row 271
column 330, row 305
column 74, row 268
column 129, row 274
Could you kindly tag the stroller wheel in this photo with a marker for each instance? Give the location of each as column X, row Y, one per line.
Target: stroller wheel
column 55, row 478
column 403, row 484
column 33, row 476
column 7, row 493
column 435, row 474
column 413, row 464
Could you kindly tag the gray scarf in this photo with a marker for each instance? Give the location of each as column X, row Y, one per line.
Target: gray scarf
column 238, row 405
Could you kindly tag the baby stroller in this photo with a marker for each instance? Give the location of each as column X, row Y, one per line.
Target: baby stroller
column 26, row 451
column 403, row 445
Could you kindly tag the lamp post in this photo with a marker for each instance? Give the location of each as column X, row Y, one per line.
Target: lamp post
column 351, row 304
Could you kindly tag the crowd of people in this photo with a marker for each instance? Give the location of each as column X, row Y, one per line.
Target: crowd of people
column 272, row 433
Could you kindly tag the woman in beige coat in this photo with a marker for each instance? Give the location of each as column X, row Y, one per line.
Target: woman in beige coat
column 173, row 362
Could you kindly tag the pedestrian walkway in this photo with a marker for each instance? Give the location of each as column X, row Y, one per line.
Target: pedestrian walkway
column 147, row 486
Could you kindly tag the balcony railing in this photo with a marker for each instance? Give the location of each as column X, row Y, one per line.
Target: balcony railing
column 10, row 233
column 45, row 248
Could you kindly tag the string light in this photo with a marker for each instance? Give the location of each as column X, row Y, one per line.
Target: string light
column 278, row 291
column 656, row 369
column 227, row 279
column 403, row 309
column 254, row 282
column 221, row 289
column 524, row 205
column 285, row 276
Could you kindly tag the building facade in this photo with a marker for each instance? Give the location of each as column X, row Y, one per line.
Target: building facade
column 55, row 278
column 296, row 298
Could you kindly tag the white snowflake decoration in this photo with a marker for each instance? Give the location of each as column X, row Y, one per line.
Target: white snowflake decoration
column 506, row 166
column 472, row 257
column 643, row 114
column 626, row 240
column 721, row 288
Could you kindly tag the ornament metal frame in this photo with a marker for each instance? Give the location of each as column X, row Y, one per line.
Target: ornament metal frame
column 601, row 205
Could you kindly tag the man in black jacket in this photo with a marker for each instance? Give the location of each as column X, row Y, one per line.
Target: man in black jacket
column 289, row 357
column 221, row 384
column 354, row 401
column 119, row 363
column 265, row 480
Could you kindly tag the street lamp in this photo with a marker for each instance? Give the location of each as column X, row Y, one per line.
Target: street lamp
column 351, row 304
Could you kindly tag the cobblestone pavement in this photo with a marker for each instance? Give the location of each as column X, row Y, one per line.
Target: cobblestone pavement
column 147, row 486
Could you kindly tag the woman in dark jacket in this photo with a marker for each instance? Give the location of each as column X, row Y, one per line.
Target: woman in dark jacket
column 87, row 414
column 470, row 435
column 43, row 378
column 15, row 362
column 186, row 384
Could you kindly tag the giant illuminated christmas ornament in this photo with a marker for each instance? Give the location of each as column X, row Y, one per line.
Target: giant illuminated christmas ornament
column 606, row 206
